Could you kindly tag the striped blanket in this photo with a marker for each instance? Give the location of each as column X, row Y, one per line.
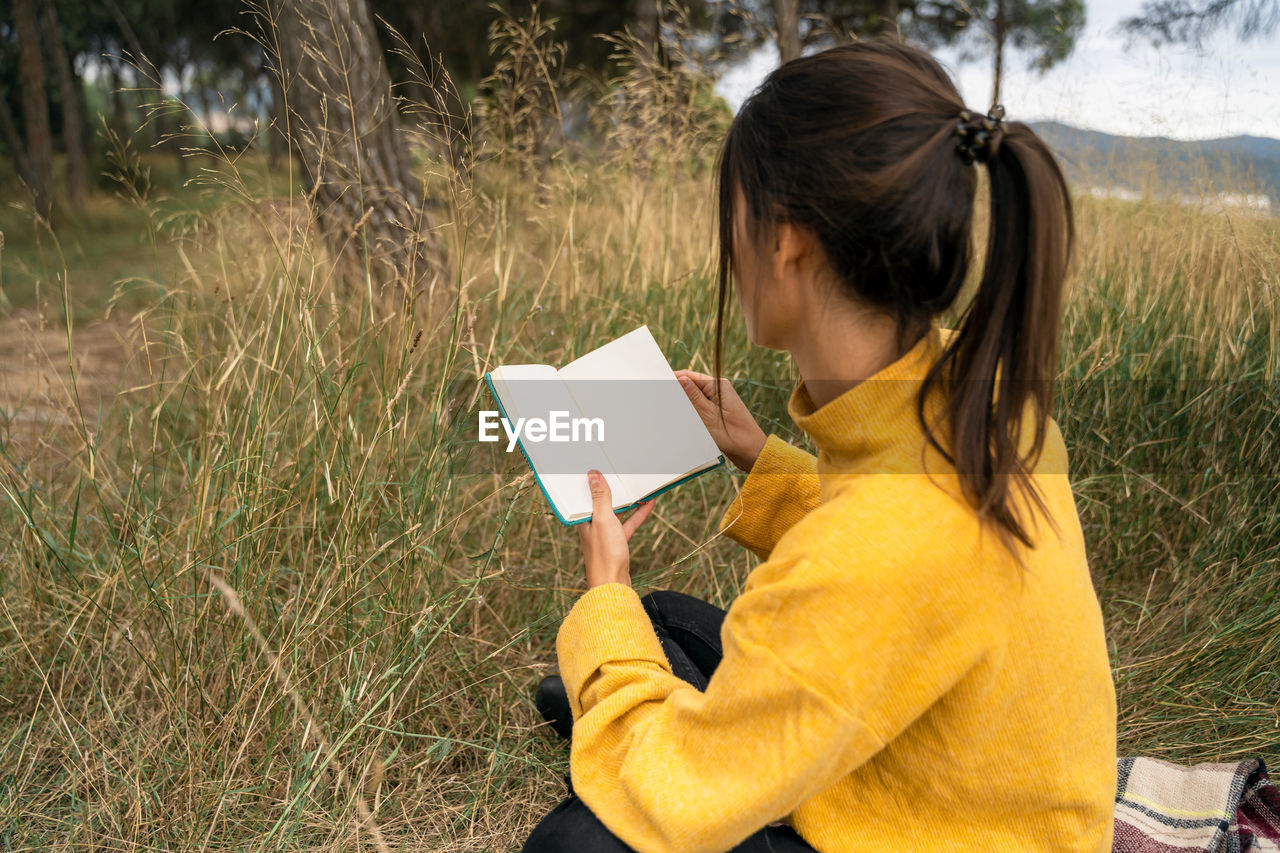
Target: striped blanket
column 1215, row 808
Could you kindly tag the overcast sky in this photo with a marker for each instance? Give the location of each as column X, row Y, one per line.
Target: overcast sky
column 1228, row 89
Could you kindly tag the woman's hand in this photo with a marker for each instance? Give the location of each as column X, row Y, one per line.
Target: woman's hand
column 604, row 538
column 739, row 437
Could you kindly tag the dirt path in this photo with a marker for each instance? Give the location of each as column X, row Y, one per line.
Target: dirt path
column 40, row 404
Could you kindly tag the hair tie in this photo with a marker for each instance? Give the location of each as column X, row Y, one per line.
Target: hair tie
column 980, row 135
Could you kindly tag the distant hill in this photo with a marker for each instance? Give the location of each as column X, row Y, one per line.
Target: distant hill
column 1237, row 164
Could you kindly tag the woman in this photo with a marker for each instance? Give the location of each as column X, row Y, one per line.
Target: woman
column 919, row 663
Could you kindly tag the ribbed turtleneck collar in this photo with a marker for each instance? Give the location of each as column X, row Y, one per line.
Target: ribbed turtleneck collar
column 872, row 427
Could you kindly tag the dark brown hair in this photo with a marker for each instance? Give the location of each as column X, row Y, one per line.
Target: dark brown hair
column 858, row 144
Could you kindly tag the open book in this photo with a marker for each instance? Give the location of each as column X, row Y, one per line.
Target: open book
column 619, row 409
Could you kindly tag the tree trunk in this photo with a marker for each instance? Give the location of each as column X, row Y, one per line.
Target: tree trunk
column 162, row 113
column 888, row 17
column 72, row 118
column 200, row 94
column 35, row 106
column 786, row 20
column 13, row 139
column 647, row 119
column 1001, row 28
column 647, row 24
column 340, row 112
column 275, row 118
column 119, row 111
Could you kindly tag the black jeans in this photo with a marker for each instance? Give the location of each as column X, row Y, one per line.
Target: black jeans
column 689, row 630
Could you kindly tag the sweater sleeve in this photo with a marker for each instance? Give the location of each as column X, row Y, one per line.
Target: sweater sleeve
column 838, row 643
column 781, row 488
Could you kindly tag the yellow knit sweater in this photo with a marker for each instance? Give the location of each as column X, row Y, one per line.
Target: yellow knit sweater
column 889, row 680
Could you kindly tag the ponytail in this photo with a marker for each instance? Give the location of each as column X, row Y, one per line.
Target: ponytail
column 1005, row 353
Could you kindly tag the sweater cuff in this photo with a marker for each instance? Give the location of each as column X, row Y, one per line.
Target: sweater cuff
column 606, row 623
column 779, row 490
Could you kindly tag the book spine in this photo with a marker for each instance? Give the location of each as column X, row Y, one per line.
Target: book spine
column 503, row 413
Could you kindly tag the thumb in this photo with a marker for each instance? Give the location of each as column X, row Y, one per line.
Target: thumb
column 601, row 496
column 694, row 393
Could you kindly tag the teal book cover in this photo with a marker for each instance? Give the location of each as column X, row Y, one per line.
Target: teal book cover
column 538, row 476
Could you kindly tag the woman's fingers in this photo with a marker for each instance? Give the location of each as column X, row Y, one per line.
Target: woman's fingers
column 702, row 391
column 694, row 393
column 637, row 518
column 704, row 383
column 693, row 374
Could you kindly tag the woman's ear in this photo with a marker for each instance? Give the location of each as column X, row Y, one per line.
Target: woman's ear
column 793, row 247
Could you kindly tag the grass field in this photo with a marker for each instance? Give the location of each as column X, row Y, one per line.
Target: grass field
column 269, row 592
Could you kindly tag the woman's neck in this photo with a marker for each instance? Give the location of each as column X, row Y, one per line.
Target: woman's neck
column 840, row 349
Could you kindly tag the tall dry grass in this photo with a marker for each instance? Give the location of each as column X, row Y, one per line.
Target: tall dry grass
column 279, row 597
